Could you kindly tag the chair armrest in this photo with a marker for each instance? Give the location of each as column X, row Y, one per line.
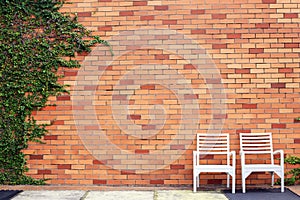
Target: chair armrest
column 196, row 155
column 233, row 157
column 242, row 154
column 281, row 156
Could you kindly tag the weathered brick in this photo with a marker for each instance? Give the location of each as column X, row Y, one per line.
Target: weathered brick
column 290, row 15
column 64, row 166
column 140, row 3
column 141, row 151
column 156, row 181
column 197, row 12
column 218, row 16
column 99, row 182
column 36, row 157
column 126, row 13
column 177, row 166
column 161, row 7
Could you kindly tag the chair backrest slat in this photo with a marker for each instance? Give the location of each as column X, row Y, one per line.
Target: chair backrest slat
column 256, row 143
column 212, row 142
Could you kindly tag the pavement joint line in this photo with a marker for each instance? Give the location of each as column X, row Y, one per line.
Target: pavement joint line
column 85, row 195
column 155, row 195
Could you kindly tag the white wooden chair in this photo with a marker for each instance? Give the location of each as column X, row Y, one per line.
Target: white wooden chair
column 213, row 144
column 258, row 144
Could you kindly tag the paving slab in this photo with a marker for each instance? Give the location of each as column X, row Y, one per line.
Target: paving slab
column 188, row 195
column 50, row 195
column 119, row 195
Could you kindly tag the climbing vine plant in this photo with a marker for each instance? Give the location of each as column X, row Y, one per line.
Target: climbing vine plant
column 35, row 41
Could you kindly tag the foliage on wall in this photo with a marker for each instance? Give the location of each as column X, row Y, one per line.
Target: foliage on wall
column 35, row 41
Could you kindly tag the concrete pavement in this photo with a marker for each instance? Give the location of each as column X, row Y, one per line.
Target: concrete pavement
column 122, row 195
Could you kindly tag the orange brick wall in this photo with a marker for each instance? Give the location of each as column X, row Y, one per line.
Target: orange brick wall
column 180, row 67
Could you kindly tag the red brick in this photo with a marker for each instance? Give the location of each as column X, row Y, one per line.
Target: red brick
column 219, row 46
column 243, row 131
column 262, row 25
column 141, row 151
column 148, row 127
column 290, row 15
column 242, row 71
column 126, row 82
column 198, row 31
column 197, row 12
column 83, row 53
column 249, row 106
column 161, row 7
column 208, row 156
column 213, row 81
column 269, row 1
column 218, row 16
column 127, row 172
column 177, row 147
column 191, row 96
column 44, row 171
column 64, row 166
column 105, row 28
column 291, row 45
column 214, row 181
column 99, row 162
column 134, row 117
column 99, row 182
column 70, row 73
column 162, row 57
column 169, row 22
column 285, row 70
column 148, row 87
column 189, row 66
column 256, row 50
column 63, row 98
column 140, row 3
column 278, row 85
column 126, row 13
column 104, row 0
column 156, row 181
column 176, row 166
column 50, row 137
column 148, row 17
column 48, row 108
column 297, row 140
column 84, row 14
column 119, row 97
column 36, row 157
column 234, row 35
column 278, row 125
column 220, row 116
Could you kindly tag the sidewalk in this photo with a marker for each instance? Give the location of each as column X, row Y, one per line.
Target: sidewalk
column 122, row 195
column 116, row 193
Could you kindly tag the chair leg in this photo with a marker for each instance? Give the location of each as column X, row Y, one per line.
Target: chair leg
column 228, row 180
column 194, row 182
column 244, row 183
column 282, row 182
column 272, row 173
column 198, row 180
column 233, row 184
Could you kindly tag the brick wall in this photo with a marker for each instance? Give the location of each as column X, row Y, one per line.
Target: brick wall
column 231, row 65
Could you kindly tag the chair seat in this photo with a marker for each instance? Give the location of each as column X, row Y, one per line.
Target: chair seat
column 214, row 168
column 262, row 167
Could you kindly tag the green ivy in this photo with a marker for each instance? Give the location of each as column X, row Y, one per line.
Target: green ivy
column 35, row 41
column 293, row 175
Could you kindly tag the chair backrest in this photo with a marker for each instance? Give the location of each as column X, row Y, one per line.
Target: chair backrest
column 213, row 143
column 257, row 143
